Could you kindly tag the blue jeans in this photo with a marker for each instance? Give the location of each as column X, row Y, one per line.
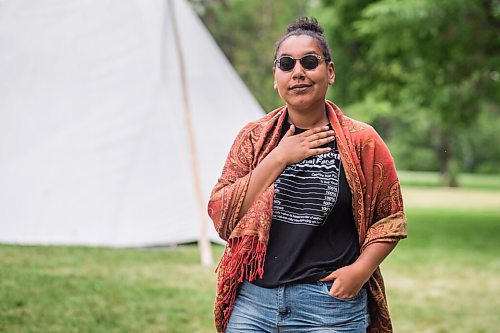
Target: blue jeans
column 297, row 308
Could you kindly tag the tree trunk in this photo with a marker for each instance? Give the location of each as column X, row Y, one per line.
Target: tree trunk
column 448, row 173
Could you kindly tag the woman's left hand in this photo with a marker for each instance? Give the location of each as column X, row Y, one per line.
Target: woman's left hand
column 347, row 281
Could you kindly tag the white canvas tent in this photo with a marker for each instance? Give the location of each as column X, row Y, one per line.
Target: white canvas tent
column 102, row 109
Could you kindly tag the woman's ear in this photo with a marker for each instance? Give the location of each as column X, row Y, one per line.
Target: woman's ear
column 275, row 85
column 331, row 73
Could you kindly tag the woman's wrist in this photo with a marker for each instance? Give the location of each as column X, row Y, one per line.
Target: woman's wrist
column 372, row 257
column 362, row 271
column 278, row 159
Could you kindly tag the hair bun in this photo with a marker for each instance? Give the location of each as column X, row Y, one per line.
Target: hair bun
column 306, row 24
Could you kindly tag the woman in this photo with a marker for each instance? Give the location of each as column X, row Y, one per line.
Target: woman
column 310, row 204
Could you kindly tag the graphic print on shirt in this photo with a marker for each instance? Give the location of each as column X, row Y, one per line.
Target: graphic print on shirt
column 307, row 191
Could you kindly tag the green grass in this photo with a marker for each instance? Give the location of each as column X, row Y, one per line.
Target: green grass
column 465, row 180
column 443, row 278
column 78, row 289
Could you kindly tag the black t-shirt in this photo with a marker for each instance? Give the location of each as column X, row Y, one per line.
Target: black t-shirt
column 312, row 229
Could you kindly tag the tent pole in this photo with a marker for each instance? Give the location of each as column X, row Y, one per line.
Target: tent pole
column 203, row 242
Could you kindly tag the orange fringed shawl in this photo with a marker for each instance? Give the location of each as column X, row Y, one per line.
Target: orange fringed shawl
column 377, row 205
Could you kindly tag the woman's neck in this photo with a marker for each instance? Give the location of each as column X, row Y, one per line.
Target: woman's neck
column 308, row 118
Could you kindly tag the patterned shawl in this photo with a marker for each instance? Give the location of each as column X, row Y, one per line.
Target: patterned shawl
column 377, row 205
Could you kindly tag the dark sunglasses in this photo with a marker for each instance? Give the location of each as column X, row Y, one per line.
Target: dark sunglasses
column 308, row 62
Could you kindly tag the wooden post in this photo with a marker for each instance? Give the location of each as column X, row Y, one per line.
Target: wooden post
column 203, row 242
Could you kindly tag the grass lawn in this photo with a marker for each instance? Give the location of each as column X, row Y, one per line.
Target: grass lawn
column 465, row 180
column 443, row 278
column 78, row 289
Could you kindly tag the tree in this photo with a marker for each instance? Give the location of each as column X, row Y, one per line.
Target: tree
column 422, row 61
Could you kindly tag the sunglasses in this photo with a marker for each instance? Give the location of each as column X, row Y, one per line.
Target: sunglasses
column 308, row 62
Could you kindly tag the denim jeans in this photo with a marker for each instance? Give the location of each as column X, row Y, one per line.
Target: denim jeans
column 297, row 308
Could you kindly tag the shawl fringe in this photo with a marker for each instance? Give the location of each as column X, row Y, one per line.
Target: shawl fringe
column 243, row 259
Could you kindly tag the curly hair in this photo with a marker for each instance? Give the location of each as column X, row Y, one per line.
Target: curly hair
column 308, row 27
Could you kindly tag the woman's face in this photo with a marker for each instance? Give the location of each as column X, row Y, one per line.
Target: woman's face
column 299, row 88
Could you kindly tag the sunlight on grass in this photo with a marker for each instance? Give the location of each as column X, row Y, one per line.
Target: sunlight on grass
column 467, row 181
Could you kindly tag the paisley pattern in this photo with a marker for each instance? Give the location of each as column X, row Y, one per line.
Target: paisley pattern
column 377, row 205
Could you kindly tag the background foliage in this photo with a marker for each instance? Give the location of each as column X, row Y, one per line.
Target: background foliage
column 424, row 73
column 247, row 31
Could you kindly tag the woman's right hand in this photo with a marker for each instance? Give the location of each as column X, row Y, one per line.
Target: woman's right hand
column 295, row 148
column 291, row 149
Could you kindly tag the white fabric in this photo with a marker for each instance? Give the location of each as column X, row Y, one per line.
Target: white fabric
column 93, row 141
